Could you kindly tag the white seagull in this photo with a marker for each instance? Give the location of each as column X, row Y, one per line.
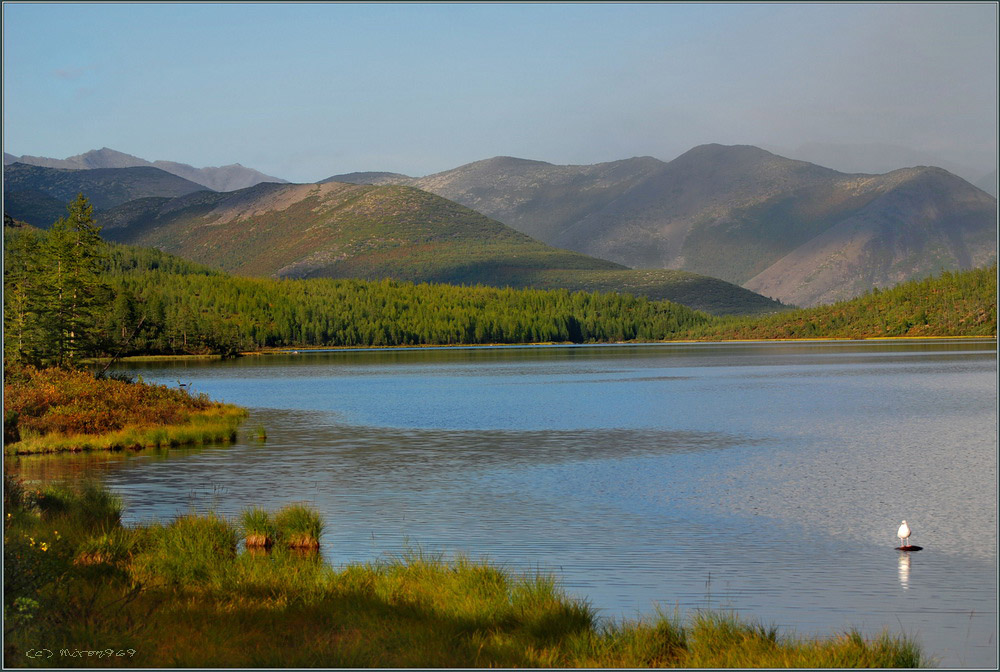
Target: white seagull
column 904, row 533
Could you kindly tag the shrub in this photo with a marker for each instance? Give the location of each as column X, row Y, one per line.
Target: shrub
column 53, row 400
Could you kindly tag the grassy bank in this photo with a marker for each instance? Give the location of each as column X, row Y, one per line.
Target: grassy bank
column 55, row 410
column 188, row 594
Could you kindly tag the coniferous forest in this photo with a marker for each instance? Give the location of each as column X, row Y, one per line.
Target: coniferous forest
column 72, row 295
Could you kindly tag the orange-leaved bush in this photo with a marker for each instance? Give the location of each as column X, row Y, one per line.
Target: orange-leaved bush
column 50, row 400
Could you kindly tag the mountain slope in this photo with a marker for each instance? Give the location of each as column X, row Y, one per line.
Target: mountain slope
column 223, row 178
column 32, row 192
column 897, row 236
column 342, row 230
column 735, row 211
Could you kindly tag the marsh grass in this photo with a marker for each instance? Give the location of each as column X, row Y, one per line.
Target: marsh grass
column 261, row 433
column 115, row 547
column 192, row 549
column 81, row 512
column 181, row 595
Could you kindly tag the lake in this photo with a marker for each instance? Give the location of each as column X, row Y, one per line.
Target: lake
column 763, row 478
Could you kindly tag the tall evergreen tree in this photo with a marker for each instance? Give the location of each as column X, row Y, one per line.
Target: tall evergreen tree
column 74, row 259
column 24, row 294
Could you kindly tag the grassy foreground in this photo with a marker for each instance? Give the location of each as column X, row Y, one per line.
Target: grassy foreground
column 81, row 590
column 53, row 410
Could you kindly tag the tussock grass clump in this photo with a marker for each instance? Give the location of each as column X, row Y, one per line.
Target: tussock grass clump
column 115, row 547
column 299, row 526
column 259, row 531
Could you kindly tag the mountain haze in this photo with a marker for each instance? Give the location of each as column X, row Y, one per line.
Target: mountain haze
column 223, row 178
column 34, row 193
column 742, row 214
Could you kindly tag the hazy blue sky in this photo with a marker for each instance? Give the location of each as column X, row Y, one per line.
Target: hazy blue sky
column 305, row 91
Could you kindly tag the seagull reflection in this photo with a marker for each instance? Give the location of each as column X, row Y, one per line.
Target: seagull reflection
column 904, row 570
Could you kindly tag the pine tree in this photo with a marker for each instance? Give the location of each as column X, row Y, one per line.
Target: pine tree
column 74, row 260
column 24, row 295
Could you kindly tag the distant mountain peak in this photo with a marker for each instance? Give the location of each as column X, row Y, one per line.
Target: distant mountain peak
column 369, row 177
column 728, row 152
column 507, row 161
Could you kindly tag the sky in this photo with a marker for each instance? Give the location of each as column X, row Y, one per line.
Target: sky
column 306, row 91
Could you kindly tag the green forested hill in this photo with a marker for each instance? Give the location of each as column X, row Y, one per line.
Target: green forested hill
column 157, row 303
column 338, row 230
column 961, row 303
column 798, row 232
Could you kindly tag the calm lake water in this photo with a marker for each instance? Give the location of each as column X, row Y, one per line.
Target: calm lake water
column 767, row 479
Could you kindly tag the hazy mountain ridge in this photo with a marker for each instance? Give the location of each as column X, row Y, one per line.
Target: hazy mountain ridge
column 734, row 211
column 104, row 187
column 375, row 178
column 880, row 158
column 221, row 178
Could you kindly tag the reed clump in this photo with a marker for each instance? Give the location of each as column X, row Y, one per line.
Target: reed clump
column 259, row 530
column 299, row 526
column 182, row 595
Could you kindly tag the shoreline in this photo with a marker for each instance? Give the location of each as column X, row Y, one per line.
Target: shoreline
column 483, row 346
column 219, row 424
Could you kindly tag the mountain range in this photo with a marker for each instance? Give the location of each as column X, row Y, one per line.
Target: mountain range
column 791, row 230
column 223, row 178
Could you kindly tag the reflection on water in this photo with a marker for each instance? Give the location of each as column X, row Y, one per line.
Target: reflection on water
column 767, row 479
column 904, row 570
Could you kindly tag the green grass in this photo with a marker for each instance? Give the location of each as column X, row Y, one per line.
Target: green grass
column 182, row 595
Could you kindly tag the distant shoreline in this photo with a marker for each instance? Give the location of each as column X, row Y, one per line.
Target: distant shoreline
column 481, row 346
